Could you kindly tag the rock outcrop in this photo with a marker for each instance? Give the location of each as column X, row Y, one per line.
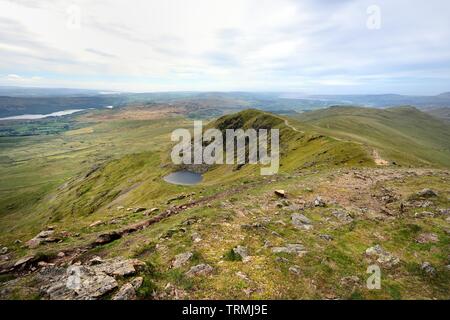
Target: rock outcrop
column 89, row 281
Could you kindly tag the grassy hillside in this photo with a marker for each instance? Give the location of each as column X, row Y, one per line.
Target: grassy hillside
column 88, row 181
column 404, row 134
column 298, row 149
column 87, row 172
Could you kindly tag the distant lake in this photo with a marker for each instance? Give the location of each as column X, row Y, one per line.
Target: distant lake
column 183, row 177
column 41, row 116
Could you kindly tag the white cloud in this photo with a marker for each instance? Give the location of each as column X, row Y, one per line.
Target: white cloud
column 142, row 45
column 15, row 78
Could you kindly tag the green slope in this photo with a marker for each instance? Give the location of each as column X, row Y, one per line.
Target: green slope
column 299, row 148
column 403, row 134
column 135, row 178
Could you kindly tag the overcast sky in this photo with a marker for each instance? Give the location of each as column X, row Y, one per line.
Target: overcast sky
column 315, row 46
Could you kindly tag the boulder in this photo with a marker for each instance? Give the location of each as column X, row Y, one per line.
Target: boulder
column 294, row 270
column 181, row 259
column 280, row 193
column 200, row 270
column 427, row 193
column 107, row 238
column 326, row 237
column 242, row 252
column 301, row 222
column 196, row 237
column 90, row 281
column 76, row 283
column 427, row 238
column 126, row 292
column 428, row 268
column 118, row 266
column 139, row 209
column 43, row 236
column 342, row 216
column 95, row 260
column 319, row 202
column 382, row 256
column 295, row 248
column 24, row 261
column 137, row 282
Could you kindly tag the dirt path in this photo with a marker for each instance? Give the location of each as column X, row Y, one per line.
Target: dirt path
column 286, row 122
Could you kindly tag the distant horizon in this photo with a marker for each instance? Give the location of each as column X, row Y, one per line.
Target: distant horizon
column 305, row 94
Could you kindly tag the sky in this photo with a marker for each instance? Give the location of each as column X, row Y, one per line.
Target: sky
column 310, row 46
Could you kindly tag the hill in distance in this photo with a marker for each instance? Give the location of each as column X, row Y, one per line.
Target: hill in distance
column 404, row 135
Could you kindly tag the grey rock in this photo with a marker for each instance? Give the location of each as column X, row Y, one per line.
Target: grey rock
column 424, row 214
column 326, row 237
column 4, row 250
column 181, row 259
column 291, row 249
column 280, row 193
column 42, row 236
column 294, row 270
column 427, row 238
column 382, row 256
column 319, row 202
column 107, row 238
column 118, row 266
column 200, row 270
column 427, row 193
column 342, row 216
column 137, row 282
column 301, row 222
column 242, row 252
column 24, row 260
column 428, row 268
column 281, row 260
column 75, row 283
column 95, row 260
column 196, row 237
column 88, row 282
column 126, row 292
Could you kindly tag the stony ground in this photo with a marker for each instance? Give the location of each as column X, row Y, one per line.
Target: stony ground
column 308, row 235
